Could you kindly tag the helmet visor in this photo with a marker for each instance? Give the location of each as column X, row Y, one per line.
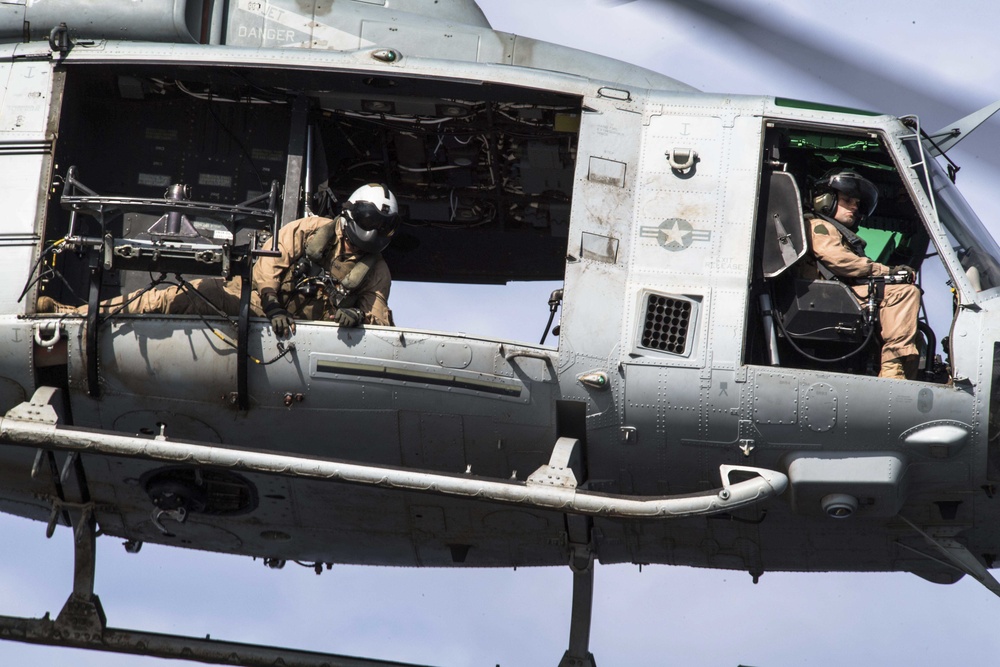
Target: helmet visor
column 859, row 188
column 370, row 217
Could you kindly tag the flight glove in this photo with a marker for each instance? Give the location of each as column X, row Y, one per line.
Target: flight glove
column 281, row 319
column 903, row 270
column 347, row 317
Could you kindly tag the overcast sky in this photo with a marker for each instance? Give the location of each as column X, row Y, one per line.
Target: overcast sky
column 939, row 60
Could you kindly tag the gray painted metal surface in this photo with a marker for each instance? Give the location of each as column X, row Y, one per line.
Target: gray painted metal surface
column 665, row 187
column 642, row 195
column 24, row 426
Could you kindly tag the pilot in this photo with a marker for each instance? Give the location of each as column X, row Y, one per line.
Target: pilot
column 841, row 200
column 327, row 270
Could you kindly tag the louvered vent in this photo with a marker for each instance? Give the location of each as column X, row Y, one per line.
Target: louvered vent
column 667, row 324
column 200, row 490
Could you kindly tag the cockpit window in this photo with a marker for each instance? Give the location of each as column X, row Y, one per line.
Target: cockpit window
column 812, row 302
column 893, row 233
column 976, row 249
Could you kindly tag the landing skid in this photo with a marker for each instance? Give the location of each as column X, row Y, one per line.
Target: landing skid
column 582, row 563
column 554, row 486
column 82, row 622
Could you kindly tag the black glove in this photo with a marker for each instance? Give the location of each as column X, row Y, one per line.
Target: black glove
column 903, row 270
column 347, row 317
column 281, row 320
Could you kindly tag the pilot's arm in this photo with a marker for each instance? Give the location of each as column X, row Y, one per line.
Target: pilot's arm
column 830, row 247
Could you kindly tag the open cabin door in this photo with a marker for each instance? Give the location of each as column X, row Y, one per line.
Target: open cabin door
column 659, row 286
column 597, row 266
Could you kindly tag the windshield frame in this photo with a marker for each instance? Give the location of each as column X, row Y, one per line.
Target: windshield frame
column 948, row 204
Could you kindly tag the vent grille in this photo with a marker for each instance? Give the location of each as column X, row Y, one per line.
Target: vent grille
column 200, row 490
column 667, row 324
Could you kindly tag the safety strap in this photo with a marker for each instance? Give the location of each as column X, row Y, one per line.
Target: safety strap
column 825, row 271
column 854, row 242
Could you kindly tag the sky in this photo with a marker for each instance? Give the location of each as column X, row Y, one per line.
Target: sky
column 919, row 57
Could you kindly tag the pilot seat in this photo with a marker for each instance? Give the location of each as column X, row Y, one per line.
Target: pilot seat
column 808, row 323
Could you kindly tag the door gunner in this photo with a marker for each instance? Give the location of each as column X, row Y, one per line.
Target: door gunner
column 327, row 270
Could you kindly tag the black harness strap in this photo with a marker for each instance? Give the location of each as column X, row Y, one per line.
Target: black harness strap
column 854, row 242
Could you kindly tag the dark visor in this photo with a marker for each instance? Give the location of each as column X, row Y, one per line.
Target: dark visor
column 371, row 218
column 860, row 188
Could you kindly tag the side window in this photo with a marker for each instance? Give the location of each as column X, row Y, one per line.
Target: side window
column 812, row 309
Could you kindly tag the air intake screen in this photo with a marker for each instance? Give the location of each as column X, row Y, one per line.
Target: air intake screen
column 667, row 322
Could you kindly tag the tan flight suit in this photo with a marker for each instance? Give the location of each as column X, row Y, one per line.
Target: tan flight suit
column 900, row 304
column 371, row 296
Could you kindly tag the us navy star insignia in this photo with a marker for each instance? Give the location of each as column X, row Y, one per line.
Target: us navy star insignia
column 675, row 234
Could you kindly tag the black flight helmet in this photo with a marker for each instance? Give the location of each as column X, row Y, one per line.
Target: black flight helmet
column 847, row 182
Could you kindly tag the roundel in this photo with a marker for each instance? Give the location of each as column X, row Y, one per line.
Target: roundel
column 675, row 234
